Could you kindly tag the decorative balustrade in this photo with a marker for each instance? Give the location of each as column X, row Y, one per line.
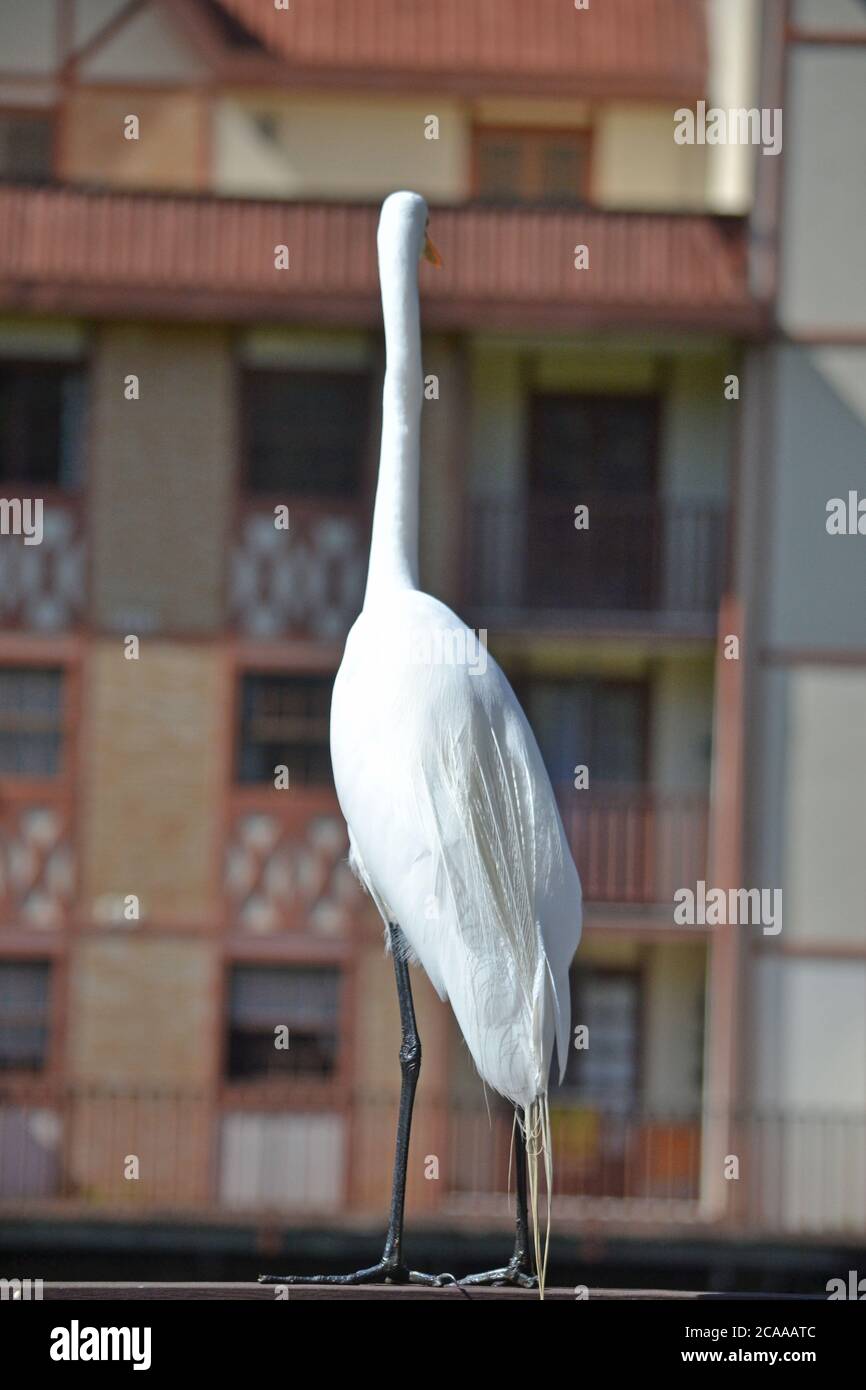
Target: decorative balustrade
column 37, row 880
column 305, row 581
column 42, row 587
column 286, row 865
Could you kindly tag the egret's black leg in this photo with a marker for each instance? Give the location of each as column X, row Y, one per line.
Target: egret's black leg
column 519, row 1268
column 410, row 1069
column 391, row 1267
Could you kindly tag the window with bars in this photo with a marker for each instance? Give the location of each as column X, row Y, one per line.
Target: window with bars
column 608, row 1003
column 24, row 1014
column 26, row 146
column 305, row 432
column 285, row 722
column 31, row 721
column 540, row 166
column 41, row 423
column 303, row 999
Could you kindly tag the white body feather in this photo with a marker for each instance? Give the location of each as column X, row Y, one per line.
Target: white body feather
column 455, row 831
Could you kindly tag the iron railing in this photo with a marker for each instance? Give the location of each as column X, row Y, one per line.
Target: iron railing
column 636, row 845
column 276, row 1152
column 653, row 560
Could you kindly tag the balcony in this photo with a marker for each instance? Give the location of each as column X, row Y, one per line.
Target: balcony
column 643, row 564
column 286, row 871
column 287, row 1158
column 635, row 844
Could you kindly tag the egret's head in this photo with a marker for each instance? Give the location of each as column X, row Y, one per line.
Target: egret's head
column 404, row 220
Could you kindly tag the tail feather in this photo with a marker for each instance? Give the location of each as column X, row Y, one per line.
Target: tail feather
column 536, row 1129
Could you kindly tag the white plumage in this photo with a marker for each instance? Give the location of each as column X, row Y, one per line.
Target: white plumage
column 453, row 824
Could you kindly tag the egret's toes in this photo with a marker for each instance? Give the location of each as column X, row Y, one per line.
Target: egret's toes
column 511, row 1275
column 377, row 1274
column 384, row 1273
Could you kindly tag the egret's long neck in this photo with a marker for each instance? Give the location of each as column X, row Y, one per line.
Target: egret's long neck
column 394, row 547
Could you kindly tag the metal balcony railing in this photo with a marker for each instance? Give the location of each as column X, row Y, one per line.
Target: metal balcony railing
column 650, row 560
column 636, row 844
column 281, row 1153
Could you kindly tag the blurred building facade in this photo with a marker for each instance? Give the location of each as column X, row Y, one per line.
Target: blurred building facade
column 189, row 343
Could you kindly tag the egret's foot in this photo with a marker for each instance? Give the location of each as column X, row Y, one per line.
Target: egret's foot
column 385, row 1272
column 516, row 1274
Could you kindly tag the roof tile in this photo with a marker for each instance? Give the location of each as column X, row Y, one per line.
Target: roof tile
column 656, row 45
column 64, row 247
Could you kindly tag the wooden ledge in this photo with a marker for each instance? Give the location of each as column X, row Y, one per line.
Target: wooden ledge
column 62, row 1292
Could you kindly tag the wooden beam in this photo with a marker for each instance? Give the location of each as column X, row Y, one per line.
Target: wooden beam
column 312, row 1293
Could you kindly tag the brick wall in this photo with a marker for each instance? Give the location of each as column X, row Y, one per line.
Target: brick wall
column 162, row 478
column 153, row 756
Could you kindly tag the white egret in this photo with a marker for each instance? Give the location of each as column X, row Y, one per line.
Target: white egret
column 453, row 825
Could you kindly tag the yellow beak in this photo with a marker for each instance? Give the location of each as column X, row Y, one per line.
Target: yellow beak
column 431, row 254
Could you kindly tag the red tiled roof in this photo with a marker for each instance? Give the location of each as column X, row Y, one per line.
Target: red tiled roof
column 647, row 47
column 72, row 251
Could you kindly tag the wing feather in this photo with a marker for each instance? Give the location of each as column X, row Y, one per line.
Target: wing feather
column 468, row 854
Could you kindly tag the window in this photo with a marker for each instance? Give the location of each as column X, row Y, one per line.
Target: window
column 305, row 1000
column 532, row 166
column 26, row 140
column 305, row 432
column 30, row 721
column 597, row 451
column 591, row 445
column 24, row 1003
column 285, row 722
column 41, row 419
column 599, row 723
column 606, row 1072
